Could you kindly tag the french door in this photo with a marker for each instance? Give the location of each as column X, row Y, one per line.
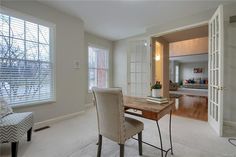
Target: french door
column 138, row 68
column 215, row 68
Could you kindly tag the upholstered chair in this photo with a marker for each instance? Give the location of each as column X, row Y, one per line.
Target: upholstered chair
column 112, row 123
column 13, row 127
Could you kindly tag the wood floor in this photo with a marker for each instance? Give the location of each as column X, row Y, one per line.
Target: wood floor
column 195, row 107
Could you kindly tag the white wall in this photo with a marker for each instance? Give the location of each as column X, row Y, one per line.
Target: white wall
column 230, row 66
column 71, row 87
column 120, row 65
column 186, row 70
column 103, row 43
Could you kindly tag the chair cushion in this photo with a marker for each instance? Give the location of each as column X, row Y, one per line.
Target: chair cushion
column 14, row 126
column 132, row 127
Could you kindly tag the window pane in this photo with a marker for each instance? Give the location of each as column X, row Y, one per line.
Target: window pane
column 31, row 31
column 98, row 58
column 44, row 52
column 4, row 68
column 17, row 28
column 102, row 78
column 30, row 72
column 92, row 58
column 4, row 25
column 17, row 50
column 43, row 34
column 4, row 43
column 45, row 80
column 92, row 78
column 31, row 51
column 102, row 59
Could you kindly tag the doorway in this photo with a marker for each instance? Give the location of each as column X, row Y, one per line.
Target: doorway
column 187, row 71
column 215, row 65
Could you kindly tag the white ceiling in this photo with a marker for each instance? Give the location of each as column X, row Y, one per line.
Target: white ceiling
column 191, row 58
column 118, row 19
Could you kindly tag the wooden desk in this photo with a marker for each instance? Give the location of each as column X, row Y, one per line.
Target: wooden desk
column 148, row 109
column 142, row 108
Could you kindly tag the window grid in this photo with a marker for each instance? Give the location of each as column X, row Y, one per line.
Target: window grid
column 13, row 79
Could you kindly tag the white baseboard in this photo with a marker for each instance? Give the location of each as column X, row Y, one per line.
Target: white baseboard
column 230, row 123
column 56, row 119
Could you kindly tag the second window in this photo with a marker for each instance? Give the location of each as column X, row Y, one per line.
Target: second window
column 98, row 67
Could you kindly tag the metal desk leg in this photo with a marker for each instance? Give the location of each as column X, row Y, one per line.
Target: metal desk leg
column 162, row 150
column 171, row 147
column 160, row 138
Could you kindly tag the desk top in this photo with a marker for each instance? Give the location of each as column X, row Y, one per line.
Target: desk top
column 149, row 110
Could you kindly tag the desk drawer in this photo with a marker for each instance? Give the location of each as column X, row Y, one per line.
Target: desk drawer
column 144, row 114
column 134, row 111
column 150, row 115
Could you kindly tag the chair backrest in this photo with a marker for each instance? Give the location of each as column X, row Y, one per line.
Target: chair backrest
column 110, row 113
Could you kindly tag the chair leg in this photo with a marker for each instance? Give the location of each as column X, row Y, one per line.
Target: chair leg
column 29, row 134
column 99, row 146
column 14, row 149
column 140, row 143
column 122, row 150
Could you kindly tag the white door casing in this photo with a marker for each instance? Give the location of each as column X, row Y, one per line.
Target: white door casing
column 215, row 68
column 138, row 68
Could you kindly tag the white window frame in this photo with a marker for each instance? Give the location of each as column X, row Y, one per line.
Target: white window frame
column 108, row 59
column 52, row 37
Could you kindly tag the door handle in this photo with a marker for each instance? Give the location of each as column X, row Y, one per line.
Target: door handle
column 219, row 88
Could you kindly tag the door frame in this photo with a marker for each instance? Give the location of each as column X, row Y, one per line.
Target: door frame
column 150, row 37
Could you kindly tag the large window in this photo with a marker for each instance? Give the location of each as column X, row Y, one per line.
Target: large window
column 26, row 67
column 98, row 67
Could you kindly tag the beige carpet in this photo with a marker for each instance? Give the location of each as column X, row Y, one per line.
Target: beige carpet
column 77, row 138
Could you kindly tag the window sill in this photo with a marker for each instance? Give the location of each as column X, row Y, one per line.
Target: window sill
column 32, row 104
